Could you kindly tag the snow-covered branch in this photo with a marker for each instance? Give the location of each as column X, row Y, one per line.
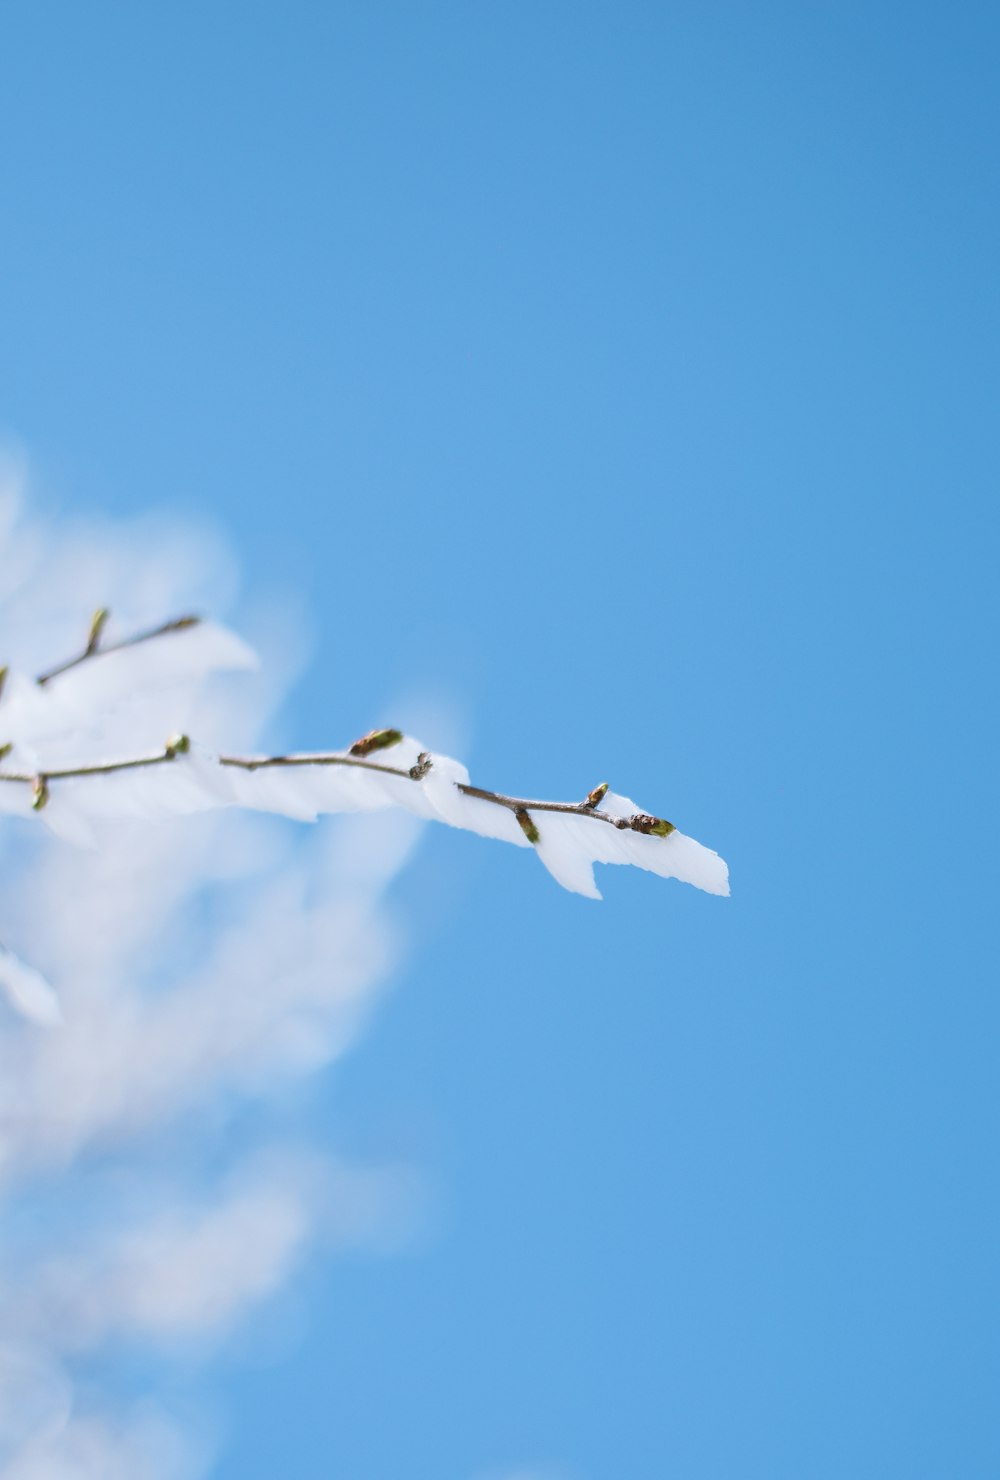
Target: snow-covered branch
column 384, row 768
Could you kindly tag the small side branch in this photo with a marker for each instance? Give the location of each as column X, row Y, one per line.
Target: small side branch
column 39, row 780
column 519, row 805
column 93, row 647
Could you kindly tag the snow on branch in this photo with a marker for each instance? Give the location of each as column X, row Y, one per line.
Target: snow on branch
column 70, row 704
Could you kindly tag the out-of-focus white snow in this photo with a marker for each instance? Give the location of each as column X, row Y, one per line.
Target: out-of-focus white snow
column 201, row 964
column 27, row 991
column 132, row 696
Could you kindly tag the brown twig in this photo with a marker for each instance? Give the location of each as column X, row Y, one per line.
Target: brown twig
column 316, row 758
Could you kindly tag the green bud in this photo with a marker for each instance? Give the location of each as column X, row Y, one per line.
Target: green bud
column 657, row 826
column 375, row 740
column 527, row 826
column 596, row 797
column 39, row 793
column 97, row 622
column 5, row 750
column 177, row 745
column 4, row 670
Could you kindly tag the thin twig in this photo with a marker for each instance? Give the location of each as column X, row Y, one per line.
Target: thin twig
column 318, row 758
column 100, row 768
column 519, row 804
column 328, row 758
column 93, row 648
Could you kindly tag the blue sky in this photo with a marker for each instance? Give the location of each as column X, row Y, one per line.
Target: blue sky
column 626, row 376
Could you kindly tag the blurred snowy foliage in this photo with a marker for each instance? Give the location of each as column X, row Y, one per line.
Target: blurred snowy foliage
column 202, row 965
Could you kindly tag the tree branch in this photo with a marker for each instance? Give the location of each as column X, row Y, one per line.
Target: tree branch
column 356, row 756
column 522, row 807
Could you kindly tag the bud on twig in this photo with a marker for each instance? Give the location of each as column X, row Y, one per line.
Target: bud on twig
column 39, row 793
column 176, row 745
column 424, row 764
column 375, row 740
column 527, row 826
column 97, row 622
column 6, row 749
column 658, row 826
column 4, row 670
column 596, row 797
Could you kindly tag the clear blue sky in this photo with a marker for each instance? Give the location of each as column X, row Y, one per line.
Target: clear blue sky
column 630, row 372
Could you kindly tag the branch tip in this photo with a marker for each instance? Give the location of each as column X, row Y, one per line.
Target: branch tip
column 596, row 797
column 4, row 670
column 176, row 745
column 39, row 793
column 424, row 764
column 659, row 827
